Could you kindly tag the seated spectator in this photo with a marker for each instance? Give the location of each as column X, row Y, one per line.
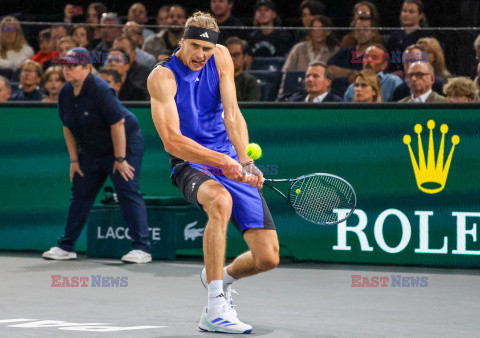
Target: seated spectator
column 460, row 90
column 367, row 87
column 349, row 59
column 80, row 35
column 245, row 84
column 14, row 49
column 46, row 45
column 222, row 10
column 113, row 78
column 30, row 79
column 436, row 57
column 412, row 54
column 365, row 10
column 412, row 17
column 268, row 41
column 138, row 13
column 133, row 30
column 309, row 9
column 72, row 13
column 162, row 17
column 317, row 83
column 63, row 45
column 420, row 78
column 376, row 60
column 53, row 81
column 137, row 73
column 94, row 14
column 119, row 60
column 58, row 32
column 162, row 44
column 5, row 89
column 320, row 45
column 111, row 29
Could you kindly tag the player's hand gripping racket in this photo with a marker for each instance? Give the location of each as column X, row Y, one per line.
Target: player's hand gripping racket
column 315, row 196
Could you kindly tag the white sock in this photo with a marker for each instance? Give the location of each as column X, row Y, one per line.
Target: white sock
column 215, row 293
column 227, row 279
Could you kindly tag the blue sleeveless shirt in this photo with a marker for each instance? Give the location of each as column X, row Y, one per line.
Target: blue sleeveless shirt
column 199, row 105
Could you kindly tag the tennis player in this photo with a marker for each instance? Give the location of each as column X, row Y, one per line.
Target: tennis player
column 195, row 111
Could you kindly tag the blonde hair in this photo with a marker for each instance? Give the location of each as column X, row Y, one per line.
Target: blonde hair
column 373, row 81
column 202, row 20
column 460, row 86
column 67, row 39
column 53, row 70
column 38, row 67
column 432, row 46
column 19, row 38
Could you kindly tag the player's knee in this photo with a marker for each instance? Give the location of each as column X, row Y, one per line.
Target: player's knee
column 220, row 206
column 268, row 262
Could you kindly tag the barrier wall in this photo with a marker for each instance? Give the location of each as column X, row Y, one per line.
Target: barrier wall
column 397, row 221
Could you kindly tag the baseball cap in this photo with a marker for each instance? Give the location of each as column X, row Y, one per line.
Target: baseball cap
column 269, row 3
column 77, row 56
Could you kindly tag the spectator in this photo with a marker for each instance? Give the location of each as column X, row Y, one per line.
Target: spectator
column 5, row 89
column 72, row 13
column 14, row 49
column 133, row 30
column 412, row 17
column 222, row 10
column 162, row 44
column 436, row 57
column 317, row 82
column 412, row 54
column 80, row 35
column 30, row 79
column 113, row 78
column 363, row 10
column 245, row 84
column 94, row 14
column 63, row 45
column 420, row 77
column 119, row 59
column 367, row 87
column 58, row 32
column 137, row 73
column 162, row 17
column 460, row 90
column 309, row 9
column 349, row 59
column 53, row 81
column 269, row 41
column 111, row 29
column 138, row 13
column 321, row 45
column 376, row 60
column 47, row 47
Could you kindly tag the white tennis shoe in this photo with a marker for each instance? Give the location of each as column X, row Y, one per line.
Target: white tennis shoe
column 226, row 291
column 59, row 254
column 137, row 256
column 222, row 318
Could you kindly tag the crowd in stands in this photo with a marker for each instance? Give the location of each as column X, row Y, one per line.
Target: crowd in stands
column 314, row 64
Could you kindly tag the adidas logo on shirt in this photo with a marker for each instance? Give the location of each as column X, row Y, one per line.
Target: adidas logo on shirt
column 205, row 35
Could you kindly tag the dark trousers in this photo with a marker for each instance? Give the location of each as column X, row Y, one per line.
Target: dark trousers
column 86, row 188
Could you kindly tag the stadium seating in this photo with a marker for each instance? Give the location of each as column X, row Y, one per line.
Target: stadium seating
column 268, row 63
column 269, row 82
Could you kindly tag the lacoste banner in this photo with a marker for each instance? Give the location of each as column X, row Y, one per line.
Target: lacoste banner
column 415, row 173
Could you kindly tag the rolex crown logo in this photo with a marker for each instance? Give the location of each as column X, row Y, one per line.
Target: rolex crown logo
column 431, row 177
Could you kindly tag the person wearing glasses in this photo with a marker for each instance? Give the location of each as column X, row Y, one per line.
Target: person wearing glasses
column 14, row 49
column 134, row 31
column 420, row 78
column 103, row 140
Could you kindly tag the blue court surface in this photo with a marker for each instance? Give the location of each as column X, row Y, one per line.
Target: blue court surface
column 106, row 298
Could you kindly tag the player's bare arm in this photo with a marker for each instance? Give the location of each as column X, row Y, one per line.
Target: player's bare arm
column 235, row 124
column 162, row 88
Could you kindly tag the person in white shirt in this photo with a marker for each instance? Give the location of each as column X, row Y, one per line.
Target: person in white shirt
column 420, row 77
column 14, row 49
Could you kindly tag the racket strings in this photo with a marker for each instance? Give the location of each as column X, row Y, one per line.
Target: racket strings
column 316, row 197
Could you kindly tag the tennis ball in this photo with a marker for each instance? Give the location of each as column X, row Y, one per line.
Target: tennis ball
column 298, row 191
column 254, row 151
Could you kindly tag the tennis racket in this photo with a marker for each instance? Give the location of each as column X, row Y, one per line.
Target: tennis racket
column 315, row 197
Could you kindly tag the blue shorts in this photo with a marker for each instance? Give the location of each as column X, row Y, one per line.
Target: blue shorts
column 249, row 211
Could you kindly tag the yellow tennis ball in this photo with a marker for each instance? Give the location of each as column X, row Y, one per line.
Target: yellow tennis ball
column 298, row 191
column 254, row 151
